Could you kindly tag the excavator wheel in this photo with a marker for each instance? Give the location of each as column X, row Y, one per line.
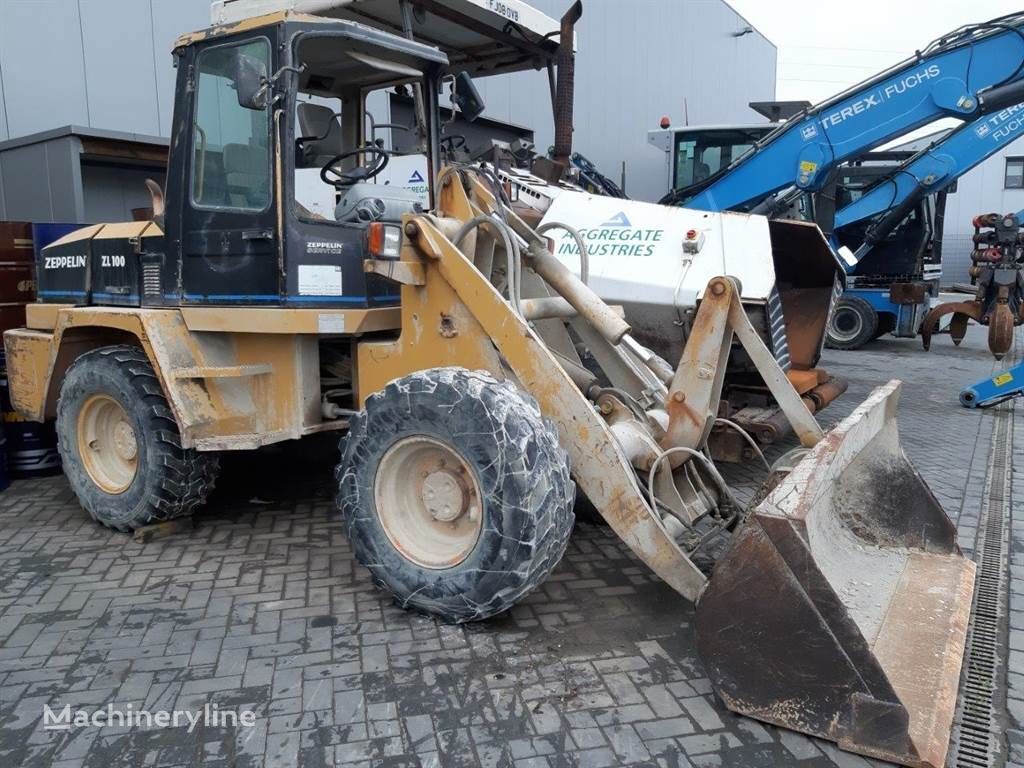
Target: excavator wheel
column 853, row 324
column 120, row 444
column 455, row 492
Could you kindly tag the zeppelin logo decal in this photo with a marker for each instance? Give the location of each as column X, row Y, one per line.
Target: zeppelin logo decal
column 64, row 262
column 324, row 246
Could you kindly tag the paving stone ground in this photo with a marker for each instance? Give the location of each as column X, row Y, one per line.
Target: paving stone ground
column 261, row 607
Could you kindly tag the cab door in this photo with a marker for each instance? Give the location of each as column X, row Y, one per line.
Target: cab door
column 229, row 239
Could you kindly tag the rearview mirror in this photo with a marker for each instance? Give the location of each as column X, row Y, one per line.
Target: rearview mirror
column 467, row 98
column 250, row 79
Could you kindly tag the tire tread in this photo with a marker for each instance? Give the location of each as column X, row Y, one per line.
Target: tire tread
column 505, row 403
column 188, row 475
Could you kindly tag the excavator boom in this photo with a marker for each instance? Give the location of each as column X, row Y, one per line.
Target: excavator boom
column 929, row 171
column 973, row 71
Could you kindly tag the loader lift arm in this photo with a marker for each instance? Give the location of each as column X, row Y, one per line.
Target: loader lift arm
column 973, row 71
column 855, row 560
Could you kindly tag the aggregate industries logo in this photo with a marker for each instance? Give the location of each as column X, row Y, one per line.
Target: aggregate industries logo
column 616, row 236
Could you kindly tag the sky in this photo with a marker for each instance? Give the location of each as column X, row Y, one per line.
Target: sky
column 829, row 45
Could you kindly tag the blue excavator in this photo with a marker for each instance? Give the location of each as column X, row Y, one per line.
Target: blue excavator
column 975, row 74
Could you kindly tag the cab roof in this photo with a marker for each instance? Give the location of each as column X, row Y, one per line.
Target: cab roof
column 475, row 38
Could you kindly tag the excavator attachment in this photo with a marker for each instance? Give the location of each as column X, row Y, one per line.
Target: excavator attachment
column 841, row 607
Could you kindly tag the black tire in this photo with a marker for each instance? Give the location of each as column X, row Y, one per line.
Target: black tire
column 170, row 481
column 521, row 470
column 853, row 324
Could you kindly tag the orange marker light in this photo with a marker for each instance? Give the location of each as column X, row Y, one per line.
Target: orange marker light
column 383, row 240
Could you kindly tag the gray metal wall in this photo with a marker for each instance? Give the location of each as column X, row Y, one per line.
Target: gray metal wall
column 107, row 64
column 42, row 182
column 96, row 63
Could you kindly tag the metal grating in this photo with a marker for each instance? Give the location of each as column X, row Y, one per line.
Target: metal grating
column 777, row 330
column 979, row 732
column 151, row 279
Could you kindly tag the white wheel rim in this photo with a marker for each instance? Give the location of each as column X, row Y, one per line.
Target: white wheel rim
column 428, row 501
column 107, row 444
column 856, row 324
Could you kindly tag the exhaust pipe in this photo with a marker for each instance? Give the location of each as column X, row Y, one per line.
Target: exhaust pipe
column 565, row 89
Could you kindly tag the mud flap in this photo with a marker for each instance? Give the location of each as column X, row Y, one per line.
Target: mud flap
column 841, row 607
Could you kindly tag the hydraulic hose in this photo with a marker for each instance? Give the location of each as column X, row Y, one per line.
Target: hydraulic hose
column 584, row 256
column 511, row 253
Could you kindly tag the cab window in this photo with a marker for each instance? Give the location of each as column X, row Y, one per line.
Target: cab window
column 701, row 154
column 232, row 168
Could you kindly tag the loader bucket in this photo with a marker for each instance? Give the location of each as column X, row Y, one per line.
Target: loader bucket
column 841, row 607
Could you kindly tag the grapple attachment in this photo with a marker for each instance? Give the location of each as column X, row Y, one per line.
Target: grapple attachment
column 842, row 605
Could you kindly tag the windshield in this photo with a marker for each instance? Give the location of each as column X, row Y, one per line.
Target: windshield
column 700, row 154
column 232, row 168
column 345, row 143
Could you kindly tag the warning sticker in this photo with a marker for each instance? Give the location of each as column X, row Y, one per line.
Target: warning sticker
column 807, row 171
column 1002, row 378
column 319, row 280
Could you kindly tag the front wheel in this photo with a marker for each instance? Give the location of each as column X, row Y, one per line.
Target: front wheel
column 455, row 493
column 120, row 445
column 853, row 324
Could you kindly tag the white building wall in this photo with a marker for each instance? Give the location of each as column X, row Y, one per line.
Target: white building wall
column 107, row 64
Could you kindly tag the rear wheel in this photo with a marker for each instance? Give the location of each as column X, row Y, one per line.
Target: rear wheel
column 120, row 445
column 852, row 325
column 455, row 493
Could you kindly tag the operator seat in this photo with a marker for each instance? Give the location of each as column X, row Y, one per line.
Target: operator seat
column 247, row 175
column 316, row 120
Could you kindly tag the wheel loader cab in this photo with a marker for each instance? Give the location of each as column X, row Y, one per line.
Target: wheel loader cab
column 270, row 190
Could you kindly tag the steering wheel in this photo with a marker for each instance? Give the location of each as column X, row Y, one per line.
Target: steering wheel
column 339, row 178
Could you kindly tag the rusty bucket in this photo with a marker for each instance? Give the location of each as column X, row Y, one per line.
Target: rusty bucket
column 841, row 608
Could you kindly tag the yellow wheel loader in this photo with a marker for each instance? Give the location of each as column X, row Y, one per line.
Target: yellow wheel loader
column 444, row 346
